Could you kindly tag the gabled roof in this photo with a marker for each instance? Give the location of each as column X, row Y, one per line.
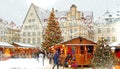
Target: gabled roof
column 79, row 40
column 42, row 14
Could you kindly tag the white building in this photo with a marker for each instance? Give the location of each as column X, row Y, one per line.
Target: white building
column 107, row 26
column 73, row 23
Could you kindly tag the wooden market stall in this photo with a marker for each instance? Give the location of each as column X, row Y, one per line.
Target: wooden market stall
column 81, row 48
column 23, row 50
column 6, row 50
column 115, row 46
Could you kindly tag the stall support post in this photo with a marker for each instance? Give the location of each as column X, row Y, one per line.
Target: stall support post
column 81, row 66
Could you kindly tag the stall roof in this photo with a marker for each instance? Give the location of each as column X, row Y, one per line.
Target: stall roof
column 5, row 44
column 23, row 44
column 115, row 44
column 78, row 44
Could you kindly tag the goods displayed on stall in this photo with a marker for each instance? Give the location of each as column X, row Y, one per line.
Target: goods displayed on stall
column 23, row 50
column 7, row 50
column 82, row 49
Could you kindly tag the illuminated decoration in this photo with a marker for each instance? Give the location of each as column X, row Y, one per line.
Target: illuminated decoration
column 52, row 33
column 103, row 56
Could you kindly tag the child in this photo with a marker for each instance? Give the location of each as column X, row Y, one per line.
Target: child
column 74, row 63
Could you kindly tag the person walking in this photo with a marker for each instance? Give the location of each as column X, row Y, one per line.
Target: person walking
column 50, row 56
column 73, row 62
column 37, row 55
column 41, row 57
column 56, row 59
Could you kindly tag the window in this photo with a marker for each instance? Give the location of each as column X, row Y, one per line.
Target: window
column 29, row 40
column 29, row 20
column 70, row 30
column 33, row 40
column 73, row 17
column 113, row 38
column 113, row 29
column 110, row 15
column 38, row 40
column 99, row 30
column 108, row 38
column 29, row 34
column 24, row 40
column 75, row 30
column 31, row 14
column 24, row 34
column 38, row 33
column 108, row 30
column 118, row 14
column 33, row 20
column 33, row 33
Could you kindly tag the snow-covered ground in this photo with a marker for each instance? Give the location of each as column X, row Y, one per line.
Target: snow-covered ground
column 24, row 63
column 27, row 63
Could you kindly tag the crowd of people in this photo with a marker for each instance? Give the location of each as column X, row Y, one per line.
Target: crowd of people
column 58, row 58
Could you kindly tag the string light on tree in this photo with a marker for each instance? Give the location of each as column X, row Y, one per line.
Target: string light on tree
column 52, row 33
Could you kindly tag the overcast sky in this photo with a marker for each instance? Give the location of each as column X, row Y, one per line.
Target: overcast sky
column 15, row 10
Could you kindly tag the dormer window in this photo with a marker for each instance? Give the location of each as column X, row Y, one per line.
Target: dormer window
column 118, row 14
column 110, row 15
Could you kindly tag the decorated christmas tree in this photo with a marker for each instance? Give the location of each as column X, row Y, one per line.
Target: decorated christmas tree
column 103, row 56
column 53, row 34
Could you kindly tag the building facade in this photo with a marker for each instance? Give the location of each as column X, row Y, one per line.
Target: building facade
column 73, row 23
column 107, row 26
column 31, row 31
column 3, row 30
column 9, row 32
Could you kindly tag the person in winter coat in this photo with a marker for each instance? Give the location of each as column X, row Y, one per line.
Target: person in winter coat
column 50, row 56
column 56, row 59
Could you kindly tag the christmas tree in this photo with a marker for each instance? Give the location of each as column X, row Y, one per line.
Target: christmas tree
column 53, row 34
column 103, row 56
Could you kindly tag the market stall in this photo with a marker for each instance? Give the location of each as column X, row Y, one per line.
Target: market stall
column 81, row 48
column 115, row 46
column 6, row 50
column 23, row 50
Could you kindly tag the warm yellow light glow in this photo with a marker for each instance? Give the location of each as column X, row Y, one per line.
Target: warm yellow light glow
column 63, row 45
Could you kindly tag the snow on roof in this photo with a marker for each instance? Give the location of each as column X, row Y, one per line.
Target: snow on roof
column 115, row 44
column 23, row 45
column 4, row 44
column 43, row 14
